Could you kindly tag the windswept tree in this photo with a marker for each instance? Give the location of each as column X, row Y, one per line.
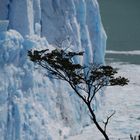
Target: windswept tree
column 86, row 81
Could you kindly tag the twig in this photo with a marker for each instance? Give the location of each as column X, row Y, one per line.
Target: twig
column 107, row 120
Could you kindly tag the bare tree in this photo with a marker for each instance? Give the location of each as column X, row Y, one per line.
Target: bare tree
column 86, row 81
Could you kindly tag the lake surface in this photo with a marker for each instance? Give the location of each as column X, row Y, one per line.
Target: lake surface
column 121, row 20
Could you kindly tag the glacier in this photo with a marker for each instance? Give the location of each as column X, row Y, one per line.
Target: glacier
column 32, row 106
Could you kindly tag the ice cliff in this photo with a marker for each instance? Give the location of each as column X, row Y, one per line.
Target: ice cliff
column 33, row 107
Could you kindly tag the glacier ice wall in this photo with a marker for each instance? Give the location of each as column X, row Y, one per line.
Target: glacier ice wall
column 58, row 20
column 33, row 107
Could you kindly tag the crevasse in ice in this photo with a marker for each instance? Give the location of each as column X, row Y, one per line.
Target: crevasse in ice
column 33, row 107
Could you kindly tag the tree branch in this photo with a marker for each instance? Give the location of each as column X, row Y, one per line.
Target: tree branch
column 107, row 120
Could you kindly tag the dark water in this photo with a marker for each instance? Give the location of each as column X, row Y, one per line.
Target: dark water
column 132, row 59
column 121, row 20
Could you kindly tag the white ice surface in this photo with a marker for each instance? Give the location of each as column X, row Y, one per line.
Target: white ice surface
column 133, row 52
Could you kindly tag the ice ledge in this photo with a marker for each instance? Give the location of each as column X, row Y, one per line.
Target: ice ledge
column 4, row 25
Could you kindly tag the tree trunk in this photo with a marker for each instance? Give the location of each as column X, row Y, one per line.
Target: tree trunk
column 96, row 123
